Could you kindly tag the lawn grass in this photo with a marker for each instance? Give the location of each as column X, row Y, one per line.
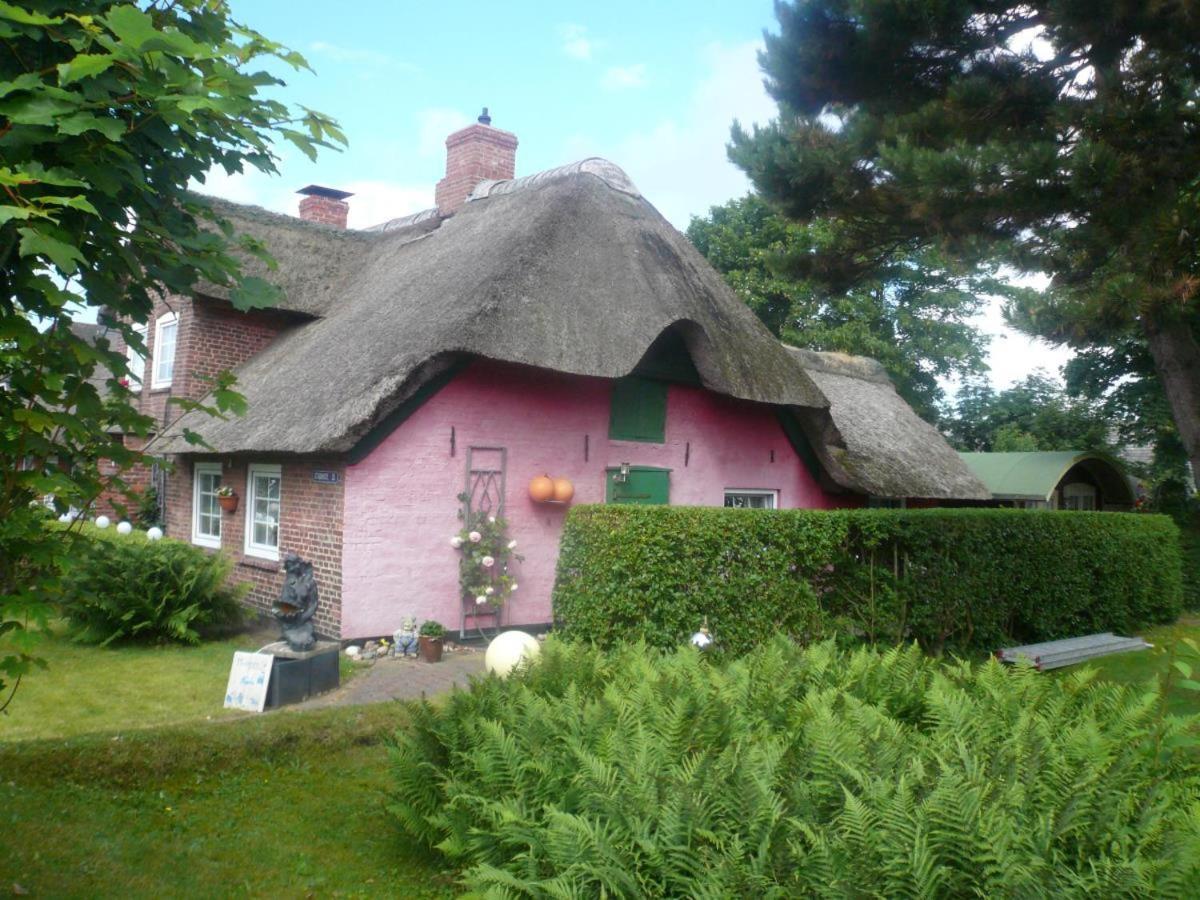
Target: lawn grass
column 1143, row 666
column 111, row 689
column 290, row 804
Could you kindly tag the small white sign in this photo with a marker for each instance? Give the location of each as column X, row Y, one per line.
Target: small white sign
column 248, row 680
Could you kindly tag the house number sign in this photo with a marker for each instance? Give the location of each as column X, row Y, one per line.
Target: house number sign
column 326, row 476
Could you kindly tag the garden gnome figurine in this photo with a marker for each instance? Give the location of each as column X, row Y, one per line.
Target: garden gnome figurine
column 297, row 603
column 406, row 637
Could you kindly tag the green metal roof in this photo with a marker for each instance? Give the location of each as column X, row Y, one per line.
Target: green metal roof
column 1027, row 476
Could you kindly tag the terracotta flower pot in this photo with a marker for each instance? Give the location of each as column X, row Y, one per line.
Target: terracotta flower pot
column 229, row 504
column 431, row 649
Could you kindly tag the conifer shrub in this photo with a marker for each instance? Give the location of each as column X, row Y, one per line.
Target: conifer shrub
column 128, row 588
column 801, row 772
column 967, row 580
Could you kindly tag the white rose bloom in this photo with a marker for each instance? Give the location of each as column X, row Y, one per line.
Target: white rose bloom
column 491, row 520
column 487, row 562
column 490, row 591
column 480, row 600
column 456, row 542
column 514, row 587
column 512, row 545
column 475, row 537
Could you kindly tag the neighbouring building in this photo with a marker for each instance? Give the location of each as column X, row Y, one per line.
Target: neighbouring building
column 1064, row 479
column 435, row 364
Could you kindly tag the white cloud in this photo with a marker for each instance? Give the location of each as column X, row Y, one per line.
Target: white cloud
column 376, row 202
column 624, row 77
column 680, row 164
column 575, row 42
column 359, row 56
column 434, row 125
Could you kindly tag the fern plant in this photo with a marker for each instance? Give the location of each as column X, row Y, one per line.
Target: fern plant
column 796, row 772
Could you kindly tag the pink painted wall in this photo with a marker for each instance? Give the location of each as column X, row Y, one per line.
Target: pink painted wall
column 401, row 506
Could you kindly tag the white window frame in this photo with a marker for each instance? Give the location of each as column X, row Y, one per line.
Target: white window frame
column 165, row 320
column 204, row 540
column 137, row 372
column 263, row 551
column 752, row 492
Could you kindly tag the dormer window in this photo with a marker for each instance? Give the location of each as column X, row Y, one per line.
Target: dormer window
column 165, row 332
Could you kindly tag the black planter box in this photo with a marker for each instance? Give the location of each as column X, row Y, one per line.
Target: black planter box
column 296, row 676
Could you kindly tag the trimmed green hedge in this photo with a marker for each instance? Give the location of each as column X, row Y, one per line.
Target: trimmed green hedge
column 960, row 579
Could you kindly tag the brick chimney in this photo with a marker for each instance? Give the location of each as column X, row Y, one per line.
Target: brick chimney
column 324, row 205
column 477, row 153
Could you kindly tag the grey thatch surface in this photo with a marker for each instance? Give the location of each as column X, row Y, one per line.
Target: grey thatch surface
column 91, row 333
column 567, row 271
column 886, row 449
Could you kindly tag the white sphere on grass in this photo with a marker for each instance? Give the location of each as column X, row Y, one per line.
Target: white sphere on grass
column 155, row 533
column 507, row 650
column 124, row 528
column 102, row 521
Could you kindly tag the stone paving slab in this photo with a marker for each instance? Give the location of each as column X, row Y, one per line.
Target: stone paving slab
column 401, row 679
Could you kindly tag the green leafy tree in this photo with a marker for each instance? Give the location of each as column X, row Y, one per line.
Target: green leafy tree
column 1055, row 135
column 108, row 111
column 911, row 315
column 1036, row 413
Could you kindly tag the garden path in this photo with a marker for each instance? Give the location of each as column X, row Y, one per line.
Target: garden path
column 401, row 679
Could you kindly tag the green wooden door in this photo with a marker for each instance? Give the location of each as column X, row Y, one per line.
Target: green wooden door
column 644, row 485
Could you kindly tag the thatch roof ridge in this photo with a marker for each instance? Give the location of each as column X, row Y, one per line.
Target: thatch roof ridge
column 882, row 447
column 568, row 273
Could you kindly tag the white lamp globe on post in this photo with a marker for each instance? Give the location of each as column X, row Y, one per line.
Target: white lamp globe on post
column 506, row 651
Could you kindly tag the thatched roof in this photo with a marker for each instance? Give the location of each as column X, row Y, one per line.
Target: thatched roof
column 90, row 332
column 569, row 270
column 882, row 447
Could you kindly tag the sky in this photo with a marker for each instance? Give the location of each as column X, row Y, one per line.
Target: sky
column 651, row 86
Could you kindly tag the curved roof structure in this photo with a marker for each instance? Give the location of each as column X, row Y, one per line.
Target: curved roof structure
column 569, row 270
column 1035, row 475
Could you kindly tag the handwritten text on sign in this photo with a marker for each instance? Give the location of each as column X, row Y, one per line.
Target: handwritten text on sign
column 248, row 680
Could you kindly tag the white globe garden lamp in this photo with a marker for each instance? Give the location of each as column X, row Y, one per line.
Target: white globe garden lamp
column 507, row 650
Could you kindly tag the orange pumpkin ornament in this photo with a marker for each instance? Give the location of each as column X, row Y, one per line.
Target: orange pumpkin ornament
column 563, row 490
column 541, row 489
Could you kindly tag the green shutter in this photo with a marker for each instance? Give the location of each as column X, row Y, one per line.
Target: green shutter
column 642, row 486
column 639, row 410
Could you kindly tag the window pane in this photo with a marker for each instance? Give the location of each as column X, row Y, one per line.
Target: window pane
column 164, row 353
column 743, row 500
column 208, row 510
column 265, row 532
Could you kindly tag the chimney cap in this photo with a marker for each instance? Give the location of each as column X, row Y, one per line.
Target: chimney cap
column 316, row 190
column 484, row 118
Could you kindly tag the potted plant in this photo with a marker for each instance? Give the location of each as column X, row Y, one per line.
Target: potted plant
column 227, row 498
column 430, row 639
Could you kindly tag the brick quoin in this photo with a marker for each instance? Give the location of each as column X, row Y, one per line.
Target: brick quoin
column 474, row 154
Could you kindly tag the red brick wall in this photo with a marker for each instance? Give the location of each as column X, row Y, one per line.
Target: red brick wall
column 310, row 525
column 325, row 210
column 212, row 337
column 474, row 154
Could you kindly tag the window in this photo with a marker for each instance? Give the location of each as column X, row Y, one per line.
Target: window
column 206, row 512
column 639, row 410
column 136, row 362
column 750, row 499
column 262, row 511
column 1078, row 496
column 164, row 350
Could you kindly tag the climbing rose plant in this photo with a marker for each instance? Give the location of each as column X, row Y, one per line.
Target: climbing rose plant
column 485, row 552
